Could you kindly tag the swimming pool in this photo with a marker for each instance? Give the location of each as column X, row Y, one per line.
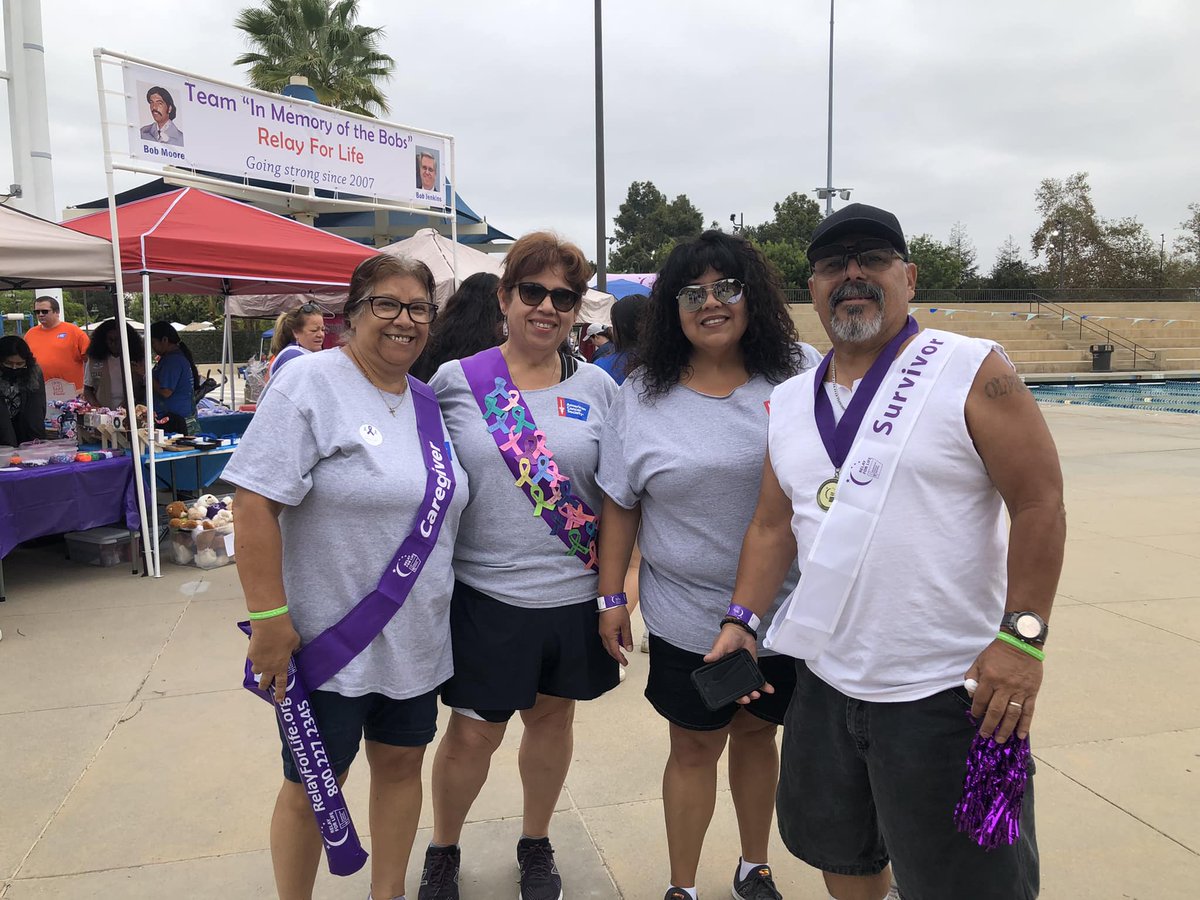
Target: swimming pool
column 1171, row 396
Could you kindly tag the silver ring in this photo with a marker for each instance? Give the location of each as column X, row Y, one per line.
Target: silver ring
column 1014, row 703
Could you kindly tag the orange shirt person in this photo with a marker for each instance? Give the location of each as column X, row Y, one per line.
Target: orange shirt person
column 59, row 347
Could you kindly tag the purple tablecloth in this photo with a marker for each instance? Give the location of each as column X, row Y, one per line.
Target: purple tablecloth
column 66, row 497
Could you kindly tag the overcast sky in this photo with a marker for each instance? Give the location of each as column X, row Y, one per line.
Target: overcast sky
column 945, row 111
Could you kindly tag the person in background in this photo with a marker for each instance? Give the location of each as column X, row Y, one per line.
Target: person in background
column 298, row 332
column 22, row 394
column 174, row 379
column 626, row 316
column 716, row 340
column 103, row 376
column 59, row 347
column 469, row 322
column 348, row 478
column 601, row 338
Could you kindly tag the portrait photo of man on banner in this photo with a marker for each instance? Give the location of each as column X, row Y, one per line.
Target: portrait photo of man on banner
column 162, row 128
column 427, row 170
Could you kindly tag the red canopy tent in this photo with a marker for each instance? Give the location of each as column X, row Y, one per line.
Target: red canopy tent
column 192, row 242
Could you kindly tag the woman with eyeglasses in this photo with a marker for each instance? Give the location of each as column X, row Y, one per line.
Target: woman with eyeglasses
column 681, row 458
column 22, row 393
column 298, row 332
column 346, row 465
column 526, row 420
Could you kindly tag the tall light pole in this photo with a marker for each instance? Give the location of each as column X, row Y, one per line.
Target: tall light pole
column 827, row 193
column 601, row 242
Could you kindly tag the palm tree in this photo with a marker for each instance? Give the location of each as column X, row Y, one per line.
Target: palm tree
column 320, row 40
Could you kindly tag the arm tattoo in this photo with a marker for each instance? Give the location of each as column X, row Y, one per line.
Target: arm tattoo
column 1002, row 386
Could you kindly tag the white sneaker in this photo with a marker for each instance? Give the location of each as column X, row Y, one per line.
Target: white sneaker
column 621, row 673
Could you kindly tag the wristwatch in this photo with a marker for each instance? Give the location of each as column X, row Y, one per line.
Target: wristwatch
column 1026, row 626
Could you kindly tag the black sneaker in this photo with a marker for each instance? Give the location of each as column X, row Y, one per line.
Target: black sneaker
column 676, row 894
column 439, row 878
column 539, row 875
column 758, row 885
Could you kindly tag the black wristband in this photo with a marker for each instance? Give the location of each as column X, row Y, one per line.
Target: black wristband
column 733, row 620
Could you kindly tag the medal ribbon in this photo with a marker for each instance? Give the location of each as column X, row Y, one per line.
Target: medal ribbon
column 838, row 437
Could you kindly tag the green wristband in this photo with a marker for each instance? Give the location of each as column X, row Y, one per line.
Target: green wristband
column 268, row 614
column 1033, row 651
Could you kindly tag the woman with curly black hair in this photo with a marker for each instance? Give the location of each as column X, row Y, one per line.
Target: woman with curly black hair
column 103, row 374
column 681, row 457
column 469, row 322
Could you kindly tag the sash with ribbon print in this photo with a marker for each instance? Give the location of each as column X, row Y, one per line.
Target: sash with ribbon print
column 523, row 448
column 329, row 652
column 804, row 625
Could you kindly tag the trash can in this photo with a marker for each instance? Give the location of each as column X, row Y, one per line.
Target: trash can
column 1102, row 357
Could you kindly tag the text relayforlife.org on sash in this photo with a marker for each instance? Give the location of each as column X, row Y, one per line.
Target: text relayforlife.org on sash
column 804, row 625
column 329, row 652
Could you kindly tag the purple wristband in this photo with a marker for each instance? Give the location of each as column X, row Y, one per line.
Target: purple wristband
column 611, row 601
column 743, row 615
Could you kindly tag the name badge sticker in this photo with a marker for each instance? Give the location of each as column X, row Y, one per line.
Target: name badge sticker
column 573, row 409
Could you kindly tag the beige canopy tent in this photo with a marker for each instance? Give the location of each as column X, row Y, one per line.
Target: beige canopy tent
column 439, row 253
column 38, row 254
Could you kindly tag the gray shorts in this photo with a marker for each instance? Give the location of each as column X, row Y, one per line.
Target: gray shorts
column 861, row 783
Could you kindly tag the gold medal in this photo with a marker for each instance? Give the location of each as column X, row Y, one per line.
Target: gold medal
column 826, row 492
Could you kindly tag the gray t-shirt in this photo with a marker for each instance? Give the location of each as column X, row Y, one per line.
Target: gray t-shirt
column 351, row 478
column 503, row 550
column 694, row 463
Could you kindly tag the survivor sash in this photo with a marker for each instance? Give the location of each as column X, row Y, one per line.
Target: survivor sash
column 804, row 625
column 329, row 652
column 531, row 462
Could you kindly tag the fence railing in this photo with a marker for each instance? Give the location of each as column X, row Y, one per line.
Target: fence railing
column 1066, row 317
column 947, row 296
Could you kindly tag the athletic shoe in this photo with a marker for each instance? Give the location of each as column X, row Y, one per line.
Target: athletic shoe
column 677, row 894
column 439, row 878
column 620, row 673
column 758, row 885
column 539, row 875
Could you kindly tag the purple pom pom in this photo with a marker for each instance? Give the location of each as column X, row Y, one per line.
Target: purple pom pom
column 993, row 788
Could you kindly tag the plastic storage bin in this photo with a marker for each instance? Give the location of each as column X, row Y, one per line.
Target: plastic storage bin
column 100, row 546
column 204, row 548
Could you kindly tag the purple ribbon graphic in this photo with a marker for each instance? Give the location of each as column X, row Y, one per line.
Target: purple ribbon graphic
column 570, row 519
column 329, row 652
column 838, row 437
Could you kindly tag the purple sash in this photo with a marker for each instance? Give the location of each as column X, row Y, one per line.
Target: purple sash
column 531, row 462
column 329, row 652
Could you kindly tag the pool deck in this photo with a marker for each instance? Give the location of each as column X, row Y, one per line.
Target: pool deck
column 134, row 767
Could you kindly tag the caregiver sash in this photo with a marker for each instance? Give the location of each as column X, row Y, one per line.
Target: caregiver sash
column 329, row 652
column 804, row 625
column 531, row 462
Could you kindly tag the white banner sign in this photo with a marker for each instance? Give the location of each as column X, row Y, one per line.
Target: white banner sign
column 186, row 121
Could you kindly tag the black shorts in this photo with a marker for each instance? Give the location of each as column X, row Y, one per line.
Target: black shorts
column 670, row 690
column 504, row 656
column 345, row 721
column 860, row 782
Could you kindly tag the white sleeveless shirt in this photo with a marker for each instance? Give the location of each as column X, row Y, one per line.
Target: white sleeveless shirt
column 931, row 590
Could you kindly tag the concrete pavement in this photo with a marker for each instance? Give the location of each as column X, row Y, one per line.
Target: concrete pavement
column 132, row 766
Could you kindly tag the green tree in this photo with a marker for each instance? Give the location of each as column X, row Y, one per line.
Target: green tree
column 960, row 242
column 648, row 227
column 321, row 40
column 1190, row 242
column 939, row 266
column 796, row 217
column 790, row 259
column 1011, row 271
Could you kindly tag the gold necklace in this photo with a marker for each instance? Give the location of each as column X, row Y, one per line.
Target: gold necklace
column 833, row 379
column 382, row 396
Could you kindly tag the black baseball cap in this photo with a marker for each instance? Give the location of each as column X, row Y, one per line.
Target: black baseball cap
column 858, row 218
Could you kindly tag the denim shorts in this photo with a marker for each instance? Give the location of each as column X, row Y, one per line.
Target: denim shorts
column 345, row 721
column 861, row 783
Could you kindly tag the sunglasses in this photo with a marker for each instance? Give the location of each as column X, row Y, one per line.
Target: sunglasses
column 532, row 294
column 421, row 312
column 694, row 296
column 309, row 308
column 42, row 312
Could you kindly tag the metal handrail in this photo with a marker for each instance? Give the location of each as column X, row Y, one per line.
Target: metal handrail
column 1064, row 315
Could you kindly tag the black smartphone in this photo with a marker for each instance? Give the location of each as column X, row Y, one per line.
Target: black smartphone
column 730, row 677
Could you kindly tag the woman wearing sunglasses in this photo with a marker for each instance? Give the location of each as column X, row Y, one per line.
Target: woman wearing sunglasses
column 682, row 454
column 339, row 478
column 526, row 420
column 298, row 332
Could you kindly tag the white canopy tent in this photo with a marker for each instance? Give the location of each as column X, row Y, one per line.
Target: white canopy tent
column 37, row 254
